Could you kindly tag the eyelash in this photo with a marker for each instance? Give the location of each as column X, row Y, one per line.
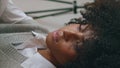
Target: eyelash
column 77, row 47
column 79, row 28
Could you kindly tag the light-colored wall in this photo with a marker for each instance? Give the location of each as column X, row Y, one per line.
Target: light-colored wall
column 59, row 20
column 31, row 5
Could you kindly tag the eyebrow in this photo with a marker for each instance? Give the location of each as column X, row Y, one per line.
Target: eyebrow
column 84, row 28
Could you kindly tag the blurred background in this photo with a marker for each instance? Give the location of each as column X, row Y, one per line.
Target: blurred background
column 48, row 12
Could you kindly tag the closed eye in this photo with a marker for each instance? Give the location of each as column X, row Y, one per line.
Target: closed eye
column 78, row 46
column 79, row 27
column 82, row 29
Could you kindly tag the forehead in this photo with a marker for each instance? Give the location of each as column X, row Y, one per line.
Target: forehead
column 70, row 27
column 85, row 29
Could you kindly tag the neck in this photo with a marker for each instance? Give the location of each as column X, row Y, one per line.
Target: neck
column 48, row 55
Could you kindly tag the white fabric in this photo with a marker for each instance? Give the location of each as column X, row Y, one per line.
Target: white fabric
column 35, row 60
column 10, row 13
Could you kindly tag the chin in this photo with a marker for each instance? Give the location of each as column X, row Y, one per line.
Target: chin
column 49, row 40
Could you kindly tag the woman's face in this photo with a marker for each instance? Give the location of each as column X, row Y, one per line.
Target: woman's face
column 62, row 42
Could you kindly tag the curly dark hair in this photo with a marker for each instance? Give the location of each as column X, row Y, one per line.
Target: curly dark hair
column 104, row 16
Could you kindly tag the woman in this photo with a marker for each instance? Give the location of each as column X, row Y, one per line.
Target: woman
column 92, row 42
column 62, row 45
column 103, row 50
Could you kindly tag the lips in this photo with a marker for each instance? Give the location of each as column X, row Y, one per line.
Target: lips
column 57, row 35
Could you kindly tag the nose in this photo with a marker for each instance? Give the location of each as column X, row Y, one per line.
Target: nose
column 72, row 35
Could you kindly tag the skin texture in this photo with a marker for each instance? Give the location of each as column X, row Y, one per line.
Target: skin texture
column 62, row 42
column 101, row 47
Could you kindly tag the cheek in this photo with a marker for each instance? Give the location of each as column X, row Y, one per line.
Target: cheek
column 65, row 50
column 68, row 51
column 61, row 49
